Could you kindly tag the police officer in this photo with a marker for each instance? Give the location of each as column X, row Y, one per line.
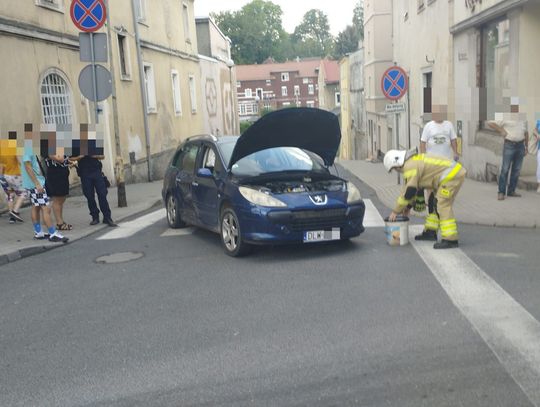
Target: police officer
column 93, row 182
column 442, row 175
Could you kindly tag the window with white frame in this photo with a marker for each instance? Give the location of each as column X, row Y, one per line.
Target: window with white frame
column 285, row 77
column 337, row 98
column 242, row 107
column 259, row 92
column 268, row 82
column 311, row 89
column 141, row 10
column 310, row 103
column 192, row 94
column 238, row 84
column 56, row 5
column 123, row 56
column 248, row 93
column 305, row 81
column 177, row 96
column 283, row 91
column 185, row 16
column 296, row 90
column 55, row 100
column 150, row 86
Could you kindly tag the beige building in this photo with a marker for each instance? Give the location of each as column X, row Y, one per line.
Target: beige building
column 41, row 77
column 329, row 88
column 495, row 57
column 378, row 57
column 470, row 55
column 218, row 79
column 353, row 111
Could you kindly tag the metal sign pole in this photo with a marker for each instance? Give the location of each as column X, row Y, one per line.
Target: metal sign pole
column 397, row 143
column 94, row 76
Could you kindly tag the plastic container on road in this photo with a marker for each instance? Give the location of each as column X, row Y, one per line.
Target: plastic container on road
column 397, row 233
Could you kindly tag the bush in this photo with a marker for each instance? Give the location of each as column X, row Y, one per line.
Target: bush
column 244, row 126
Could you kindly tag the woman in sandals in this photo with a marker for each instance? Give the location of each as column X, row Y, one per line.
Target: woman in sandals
column 57, row 186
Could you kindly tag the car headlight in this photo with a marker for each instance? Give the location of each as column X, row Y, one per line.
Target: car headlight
column 354, row 193
column 260, row 198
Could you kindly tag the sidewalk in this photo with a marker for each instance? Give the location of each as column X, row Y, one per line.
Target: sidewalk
column 476, row 202
column 16, row 241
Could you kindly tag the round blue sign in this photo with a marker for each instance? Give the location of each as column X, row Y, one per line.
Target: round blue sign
column 394, row 83
column 88, row 15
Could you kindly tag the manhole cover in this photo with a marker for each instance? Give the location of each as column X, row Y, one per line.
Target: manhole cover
column 122, row 257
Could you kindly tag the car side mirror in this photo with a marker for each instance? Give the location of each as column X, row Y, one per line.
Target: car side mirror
column 204, row 173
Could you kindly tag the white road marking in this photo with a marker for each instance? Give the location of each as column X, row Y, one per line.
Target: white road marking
column 178, row 232
column 372, row 217
column 511, row 332
column 127, row 229
column 501, row 255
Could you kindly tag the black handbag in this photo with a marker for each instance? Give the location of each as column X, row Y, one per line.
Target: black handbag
column 107, row 182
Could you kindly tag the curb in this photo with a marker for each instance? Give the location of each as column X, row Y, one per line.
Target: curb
column 30, row 251
column 471, row 223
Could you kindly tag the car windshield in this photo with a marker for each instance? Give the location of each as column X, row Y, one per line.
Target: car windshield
column 276, row 159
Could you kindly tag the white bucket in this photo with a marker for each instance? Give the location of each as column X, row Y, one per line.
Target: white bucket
column 397, row 233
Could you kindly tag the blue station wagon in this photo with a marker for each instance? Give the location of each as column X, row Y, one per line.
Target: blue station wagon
column 272, row 185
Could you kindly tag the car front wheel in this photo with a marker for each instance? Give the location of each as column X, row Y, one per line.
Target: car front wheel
column 231, row 234
column 173, row 213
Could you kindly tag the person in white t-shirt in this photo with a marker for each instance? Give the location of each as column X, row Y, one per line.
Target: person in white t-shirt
column 439, row 137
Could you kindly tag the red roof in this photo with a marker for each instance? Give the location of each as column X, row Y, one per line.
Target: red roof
column 306, row 68
column 331, row 71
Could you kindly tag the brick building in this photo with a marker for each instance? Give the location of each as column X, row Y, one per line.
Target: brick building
column 274, row 86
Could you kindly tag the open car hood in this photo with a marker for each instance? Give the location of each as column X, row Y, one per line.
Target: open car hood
column 310, row 129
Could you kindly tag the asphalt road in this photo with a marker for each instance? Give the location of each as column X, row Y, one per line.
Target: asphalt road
column 342, row 324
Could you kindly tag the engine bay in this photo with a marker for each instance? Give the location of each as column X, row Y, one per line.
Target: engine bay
column 301, row 186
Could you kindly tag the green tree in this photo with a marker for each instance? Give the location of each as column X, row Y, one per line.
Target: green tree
column 358, row 18
column 346, row 42
column 256, row 32
column 312, row 36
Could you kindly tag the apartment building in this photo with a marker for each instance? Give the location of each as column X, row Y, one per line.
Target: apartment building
column 272, row 85
column 41, row 77
column 328, row 83
column 378, row 56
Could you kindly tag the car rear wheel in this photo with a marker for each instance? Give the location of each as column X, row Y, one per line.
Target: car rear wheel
column 173, row 213
column 231, row 234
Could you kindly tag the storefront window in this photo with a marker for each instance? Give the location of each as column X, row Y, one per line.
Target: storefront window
column 495, row 67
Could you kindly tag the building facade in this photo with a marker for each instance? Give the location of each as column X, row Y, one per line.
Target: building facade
column 328, row 83
column 218, row 79
column 495, row 58
column 353, row 109
column 41, row 82
column 274, row 86
column 378, row 56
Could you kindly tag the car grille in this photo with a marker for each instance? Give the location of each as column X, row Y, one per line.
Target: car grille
column 318, row 219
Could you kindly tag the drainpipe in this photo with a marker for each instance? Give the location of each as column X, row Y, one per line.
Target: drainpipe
column 143, row 88
column 119, row 164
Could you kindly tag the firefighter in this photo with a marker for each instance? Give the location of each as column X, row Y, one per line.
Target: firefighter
column 443, row 176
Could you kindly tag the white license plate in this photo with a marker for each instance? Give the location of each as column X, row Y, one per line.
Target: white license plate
column 322, row 235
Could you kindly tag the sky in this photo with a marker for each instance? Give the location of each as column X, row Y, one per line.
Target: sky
column 339, row 12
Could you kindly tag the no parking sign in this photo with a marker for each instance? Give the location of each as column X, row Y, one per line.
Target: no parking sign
column 88, row 15
column 394, row 83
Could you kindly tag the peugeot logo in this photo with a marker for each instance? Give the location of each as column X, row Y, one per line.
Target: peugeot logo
column 319, row 199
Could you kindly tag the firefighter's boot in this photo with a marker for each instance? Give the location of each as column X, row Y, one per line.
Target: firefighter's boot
column 446, row 244
column 429, row 235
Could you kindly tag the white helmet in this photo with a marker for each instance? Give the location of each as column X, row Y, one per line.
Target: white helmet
column 394, row 159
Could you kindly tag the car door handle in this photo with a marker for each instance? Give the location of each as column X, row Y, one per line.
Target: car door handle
column 195, row 184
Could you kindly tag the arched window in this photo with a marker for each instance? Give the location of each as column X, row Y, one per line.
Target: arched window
column 56, row 100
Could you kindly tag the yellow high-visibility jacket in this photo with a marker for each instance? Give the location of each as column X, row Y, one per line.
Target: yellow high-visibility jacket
column 424, row 171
